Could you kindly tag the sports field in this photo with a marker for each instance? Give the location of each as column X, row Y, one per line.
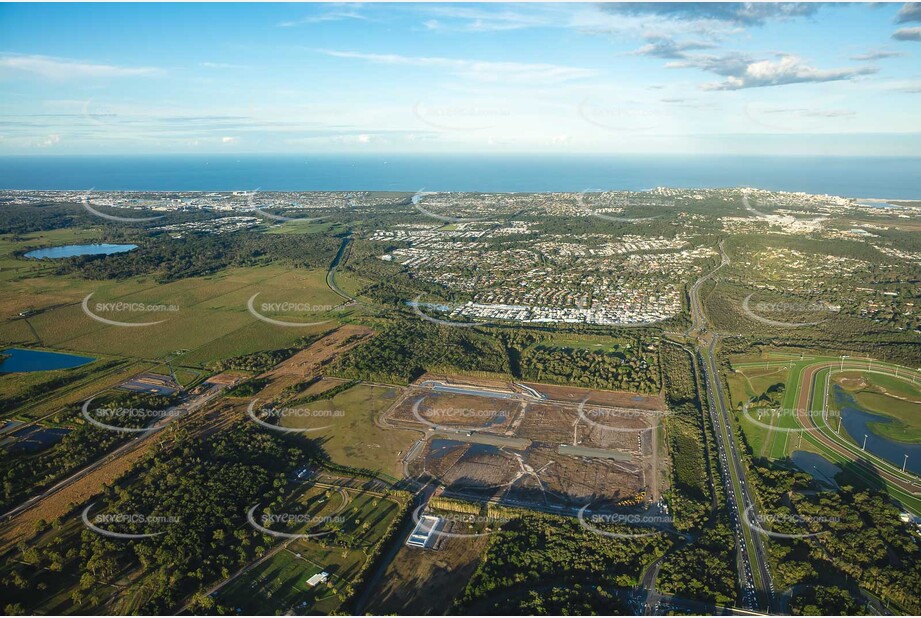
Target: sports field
column 807, row 418
column 888, row 396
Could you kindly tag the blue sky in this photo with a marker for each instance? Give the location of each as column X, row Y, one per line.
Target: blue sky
column 786, row 79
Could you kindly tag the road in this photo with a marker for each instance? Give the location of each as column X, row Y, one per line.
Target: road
column 331, row 273
column 698, row 317
column 754, row 575
column 422, row 497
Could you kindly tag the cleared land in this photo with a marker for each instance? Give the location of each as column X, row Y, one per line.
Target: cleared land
column 425, row 582
column 493, row 440
column 351, row 436
column 599, row 397
column 310, row 361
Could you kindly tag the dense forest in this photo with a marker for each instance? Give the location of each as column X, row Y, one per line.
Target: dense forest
column 545, row 564
column 405, row 349
column 864, row 543
column 691, row 497
column 169, row 259
column 704, row 570
column 21, row 219
column 623, row 370
column 202, row 488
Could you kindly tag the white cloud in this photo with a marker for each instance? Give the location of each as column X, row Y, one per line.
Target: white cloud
column 479, row 70
column 877, row 54
column 471, row 19
column 337, row 15
column 64, row 68
column 742, row 71
column 811, row 113
column 740, row 13
column 907, row 34
column 228, row 140
column 667, row 47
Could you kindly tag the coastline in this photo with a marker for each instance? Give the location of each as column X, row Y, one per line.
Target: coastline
column 885, row 178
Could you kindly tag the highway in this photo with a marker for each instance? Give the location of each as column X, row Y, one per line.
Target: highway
column 754, row 575
column 698, row 317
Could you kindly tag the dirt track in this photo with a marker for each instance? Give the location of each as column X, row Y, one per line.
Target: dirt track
column 309, row 361
column 803, row 399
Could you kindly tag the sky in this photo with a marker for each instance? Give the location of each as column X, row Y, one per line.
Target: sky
column 677, row 78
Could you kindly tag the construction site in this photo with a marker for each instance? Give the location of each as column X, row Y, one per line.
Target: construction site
column 546, row 447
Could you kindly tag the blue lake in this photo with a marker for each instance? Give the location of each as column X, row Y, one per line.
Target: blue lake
column 75, row 250
column 857, row 423
column 17, row 360
column 816, row 466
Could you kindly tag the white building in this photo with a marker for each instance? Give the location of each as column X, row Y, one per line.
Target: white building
column 423, row 532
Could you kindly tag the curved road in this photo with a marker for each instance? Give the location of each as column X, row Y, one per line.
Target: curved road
column 698, row 318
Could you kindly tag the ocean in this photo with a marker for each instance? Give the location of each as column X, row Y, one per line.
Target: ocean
column 858, row 177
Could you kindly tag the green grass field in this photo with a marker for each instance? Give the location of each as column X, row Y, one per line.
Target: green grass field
column 591, row 343
column 751, row 381
column 210, row 322
column 780, row 444
column 301, row 227
column 353, row 439
column 350, row 283
column 279, row 583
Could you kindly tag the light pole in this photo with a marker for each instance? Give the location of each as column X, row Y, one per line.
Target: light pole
column 864, row 447
column 905, row 463
column 838, row 431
